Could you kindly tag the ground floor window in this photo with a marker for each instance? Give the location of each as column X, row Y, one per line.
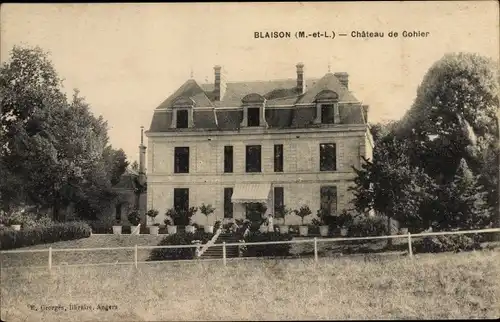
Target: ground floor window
column 181, row 199
column 278, row 202
column 228, row 205
column 329, row 199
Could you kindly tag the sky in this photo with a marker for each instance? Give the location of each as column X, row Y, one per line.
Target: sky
column 127, row 58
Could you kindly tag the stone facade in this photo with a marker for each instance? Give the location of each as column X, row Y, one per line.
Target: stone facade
column 301, row 177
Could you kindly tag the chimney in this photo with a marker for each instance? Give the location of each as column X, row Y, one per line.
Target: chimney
column 343, row 78
column 219, row 84
column 301, row 83
column 142, row 159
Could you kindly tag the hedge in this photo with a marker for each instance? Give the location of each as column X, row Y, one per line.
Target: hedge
column 267, row 250
column 180, row 238
column 449, row 243
column 10, row 239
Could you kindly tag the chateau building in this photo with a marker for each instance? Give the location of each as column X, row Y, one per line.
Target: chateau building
column 285, row 142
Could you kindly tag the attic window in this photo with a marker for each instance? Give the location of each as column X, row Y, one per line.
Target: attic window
column 182, row 119
column 253, row 116
column 327, row 114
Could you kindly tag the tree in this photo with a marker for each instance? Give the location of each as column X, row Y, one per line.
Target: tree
column 53, row 150
column 390, row 185
column 135, row 166
column 461, row 203
column 454, row 117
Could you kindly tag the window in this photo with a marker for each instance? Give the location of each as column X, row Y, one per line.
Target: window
column 118, row 211
column 181, row 162
column 182, row 119
column 327, row 157
column 278, row 158
column 278, row 202
column 228, row 205
column 329, row 199
column 253, row 158
column 181, row 199
column 327, row 114
column 253, row 116
column 228, row 159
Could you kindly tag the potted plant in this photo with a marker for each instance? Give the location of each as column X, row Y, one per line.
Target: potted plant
column 154, row 228
column 207, row 210
column 303, row 212
column 134, row 218
column 284, row 211
column 171, row 214
column 117, row 228
column 188, row 214
column 15, row 221
column 345, row 220
column 321, row 222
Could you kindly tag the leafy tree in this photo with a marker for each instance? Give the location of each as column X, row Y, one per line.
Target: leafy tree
column 389, row 185
column 454, row 117
column 461, row 203
column 53, row 150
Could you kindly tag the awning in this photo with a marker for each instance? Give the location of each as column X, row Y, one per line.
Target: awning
column 251, row 192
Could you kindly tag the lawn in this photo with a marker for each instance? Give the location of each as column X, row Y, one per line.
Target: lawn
column 463, row 285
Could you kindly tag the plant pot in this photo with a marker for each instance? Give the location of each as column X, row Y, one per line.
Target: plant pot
column 117, row 230
column 323, row 231
column 190, row 229
column 343, row 232
column 153, row 230
column 284, row 229
column 303, row 230
column 403, row 231
column 208, row 229
column 171, row 230
column 16, row 227
column 134, row 230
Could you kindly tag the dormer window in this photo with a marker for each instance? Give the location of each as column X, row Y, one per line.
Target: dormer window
column 327, row 108
column 253, row 111
column 182, row 113
column 327, row 114
column 182, row 119
column 253, row 116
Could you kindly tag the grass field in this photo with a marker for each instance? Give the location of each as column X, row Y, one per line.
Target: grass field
column 464, row 285
column 124, row 255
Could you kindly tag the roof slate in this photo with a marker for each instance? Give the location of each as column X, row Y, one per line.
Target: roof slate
column 281, row 94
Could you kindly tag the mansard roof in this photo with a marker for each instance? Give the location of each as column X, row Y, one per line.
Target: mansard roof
column 285, row 107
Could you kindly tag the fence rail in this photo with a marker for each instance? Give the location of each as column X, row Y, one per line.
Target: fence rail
column 315, row 241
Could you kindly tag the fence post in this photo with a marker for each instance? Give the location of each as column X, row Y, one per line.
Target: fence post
column 50, row 258
column 224, row 253
column 315, row 249
column 410, row 250
column 135, row 255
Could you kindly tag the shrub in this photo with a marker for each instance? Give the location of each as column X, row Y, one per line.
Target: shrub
column 134, row 217
column 362, row 226
column 180, row 217
column 303, row 212
column 10, row 239
column 207, row 210
column 267, row 250
column 152, row 213
column 178, row 239
column 448, row 243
